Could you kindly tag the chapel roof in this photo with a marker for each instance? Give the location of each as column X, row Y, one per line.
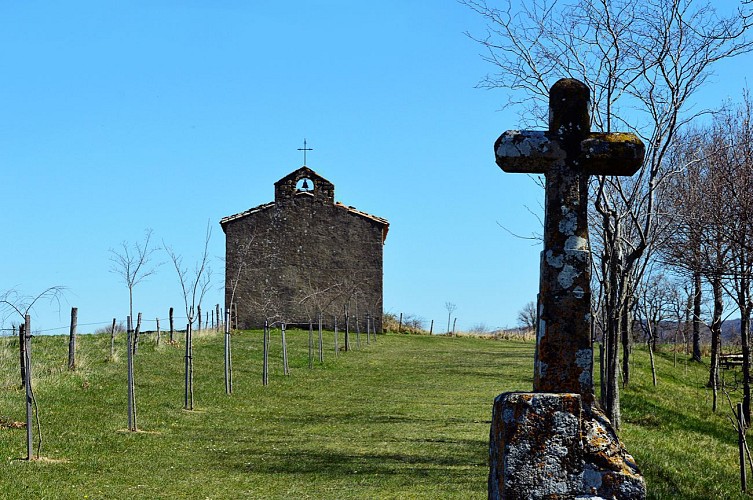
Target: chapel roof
column 305, row 171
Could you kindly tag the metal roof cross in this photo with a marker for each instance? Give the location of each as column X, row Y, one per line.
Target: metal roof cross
column 304, row 149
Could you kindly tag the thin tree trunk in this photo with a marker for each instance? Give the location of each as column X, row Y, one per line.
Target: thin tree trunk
column 198, row 315
column 651, row 357
column 72, row 339
column 716, row 327
column 626, row 334
column 696, row 317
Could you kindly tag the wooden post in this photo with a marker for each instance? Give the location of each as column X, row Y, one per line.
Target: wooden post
column 741, row 445
column 431, row 328
column 400, row 324
column 172, row 325
column 311, row 344
column 285, row 368
column 158, row 332
column 198, row 315
column 368, row 339
column 136, row 334
column 29, row 394
column 337, row 347
column 228, row 371
column 347, row 332
column 188, row 397
column 265, row 366
column 22, row 349
column 358, row 333
column 72, row 339
column 213, row 327
column 454, row 322
column 217, row 315
column 131, row 385
column 321, row 340
column 112, row 339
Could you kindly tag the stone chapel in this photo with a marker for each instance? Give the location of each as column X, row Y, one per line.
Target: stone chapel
column 302, row 255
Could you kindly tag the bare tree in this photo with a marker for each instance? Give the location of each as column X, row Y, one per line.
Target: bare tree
column 450, row 309
column 643, row 61
column 527, row 316
column 194, row 286
column 132, row 264
column 12, row 302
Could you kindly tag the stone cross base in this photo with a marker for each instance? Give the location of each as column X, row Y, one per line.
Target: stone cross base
column 545, row 445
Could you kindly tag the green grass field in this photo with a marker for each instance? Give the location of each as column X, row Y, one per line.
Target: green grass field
column 407, row 417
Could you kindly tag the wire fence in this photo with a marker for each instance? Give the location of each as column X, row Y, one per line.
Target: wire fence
column 101, row 325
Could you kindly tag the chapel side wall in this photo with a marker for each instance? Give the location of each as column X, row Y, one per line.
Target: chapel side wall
column 305, row 256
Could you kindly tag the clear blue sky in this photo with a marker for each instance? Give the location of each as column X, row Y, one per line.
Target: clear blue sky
column 122, row 116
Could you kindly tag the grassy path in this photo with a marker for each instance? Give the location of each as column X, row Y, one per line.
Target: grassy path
column 407, row 417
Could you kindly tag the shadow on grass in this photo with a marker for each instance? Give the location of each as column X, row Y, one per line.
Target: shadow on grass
column 645, row 412
column 334, row 463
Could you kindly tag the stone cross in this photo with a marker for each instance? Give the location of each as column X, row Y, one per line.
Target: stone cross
column 567, row 154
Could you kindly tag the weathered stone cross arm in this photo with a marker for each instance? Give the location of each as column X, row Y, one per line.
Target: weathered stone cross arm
column 567, row 154
column 534, row 152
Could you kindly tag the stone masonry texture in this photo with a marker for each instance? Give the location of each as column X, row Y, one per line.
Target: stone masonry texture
column 302, row 255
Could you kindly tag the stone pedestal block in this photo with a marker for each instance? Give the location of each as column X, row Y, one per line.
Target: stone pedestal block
column 545, row 445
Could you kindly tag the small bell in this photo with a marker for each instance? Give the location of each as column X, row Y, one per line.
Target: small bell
column 305, row 185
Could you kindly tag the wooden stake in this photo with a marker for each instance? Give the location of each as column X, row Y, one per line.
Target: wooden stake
column 131, row 386
column 29, row 394
column 136, row 334
column 228, row 376
column 368, row 340
column 22, row 349
column 347, row 332
column 112, row 339
column 741, row 445
column 265, row 366
column 285, row 368
column 337, row 347
column 72, row 339
column 311, row 344
column 158, row 332
column 172, row 325
column 321, row 340
column 358, row 333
